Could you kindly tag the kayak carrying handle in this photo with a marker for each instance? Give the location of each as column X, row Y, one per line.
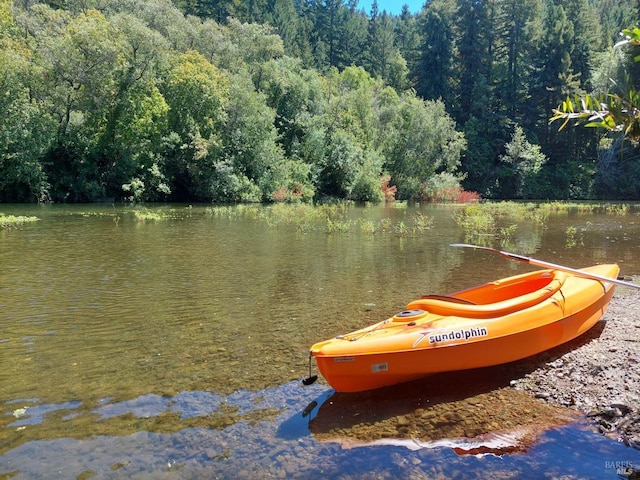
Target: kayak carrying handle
column 311, row 378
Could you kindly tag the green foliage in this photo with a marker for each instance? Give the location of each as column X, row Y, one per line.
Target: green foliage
column 255, row 44
column 337, row 169
column 619, row 170
column 330, row 218
column 574, row 237
column 146, row 215
column 474, row 57
column 382, row 58
column 338, row 34
column 421, row 141
column 138, row 102
column 475, row 221
column 366, row 186
column 197, row 95
column 494, row 219
column 14, row 221
column 290, row 101
column 141, row 129
column 250, row 144
column 617, row 113
column 524, row 162
column 296, row 94
column 446, row 187
column 435, row 68
column 27, row 132
column 8, row 28
column 613, row 112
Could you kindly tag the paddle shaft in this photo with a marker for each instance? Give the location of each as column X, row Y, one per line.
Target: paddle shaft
column 540, row 263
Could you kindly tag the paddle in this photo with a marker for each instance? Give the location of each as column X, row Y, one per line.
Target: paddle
column 540, row 263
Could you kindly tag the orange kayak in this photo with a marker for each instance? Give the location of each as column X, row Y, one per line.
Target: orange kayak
column 490, row 324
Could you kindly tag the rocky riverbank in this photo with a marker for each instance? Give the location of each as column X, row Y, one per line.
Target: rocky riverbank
column 599, row 373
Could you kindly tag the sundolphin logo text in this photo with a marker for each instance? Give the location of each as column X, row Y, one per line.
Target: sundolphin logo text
column 462, row 334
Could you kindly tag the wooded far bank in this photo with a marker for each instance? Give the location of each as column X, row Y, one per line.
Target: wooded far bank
column 290, row 100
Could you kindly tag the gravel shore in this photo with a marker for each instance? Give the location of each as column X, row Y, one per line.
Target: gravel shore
column 599, row 373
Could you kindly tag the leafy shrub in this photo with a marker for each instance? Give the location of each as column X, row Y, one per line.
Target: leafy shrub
column 445, row 187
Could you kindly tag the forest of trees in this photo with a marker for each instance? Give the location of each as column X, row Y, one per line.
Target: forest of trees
column 301, row 100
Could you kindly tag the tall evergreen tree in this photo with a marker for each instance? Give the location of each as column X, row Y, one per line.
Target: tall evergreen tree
column 515, row 42
column 571, row 164
column 475, row 57
column 614, row 16
column 257, row 10
column 353, row 34
column 340, row 31
column 380, row 50
column 306, row 33
column 325, row 15
column 434, row 76
column 219, row 10
column 282, row 15
column 407, row 38
column 586, row 38
column 553, row 76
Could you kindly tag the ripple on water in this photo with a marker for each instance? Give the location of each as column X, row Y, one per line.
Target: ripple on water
column 272, row 437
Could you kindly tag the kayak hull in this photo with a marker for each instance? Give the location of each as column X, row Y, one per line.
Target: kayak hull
column 457, row 332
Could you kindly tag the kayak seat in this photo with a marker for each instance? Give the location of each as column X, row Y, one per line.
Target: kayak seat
column 501, row 299
column 449, row 298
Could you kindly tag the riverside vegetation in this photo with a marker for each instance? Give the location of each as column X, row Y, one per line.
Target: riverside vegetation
column 483, row 223
column 13, row 221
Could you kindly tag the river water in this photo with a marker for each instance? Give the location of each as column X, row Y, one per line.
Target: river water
column 169, row 342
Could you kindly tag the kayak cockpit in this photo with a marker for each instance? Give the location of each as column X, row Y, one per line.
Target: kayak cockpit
column 495, row 299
